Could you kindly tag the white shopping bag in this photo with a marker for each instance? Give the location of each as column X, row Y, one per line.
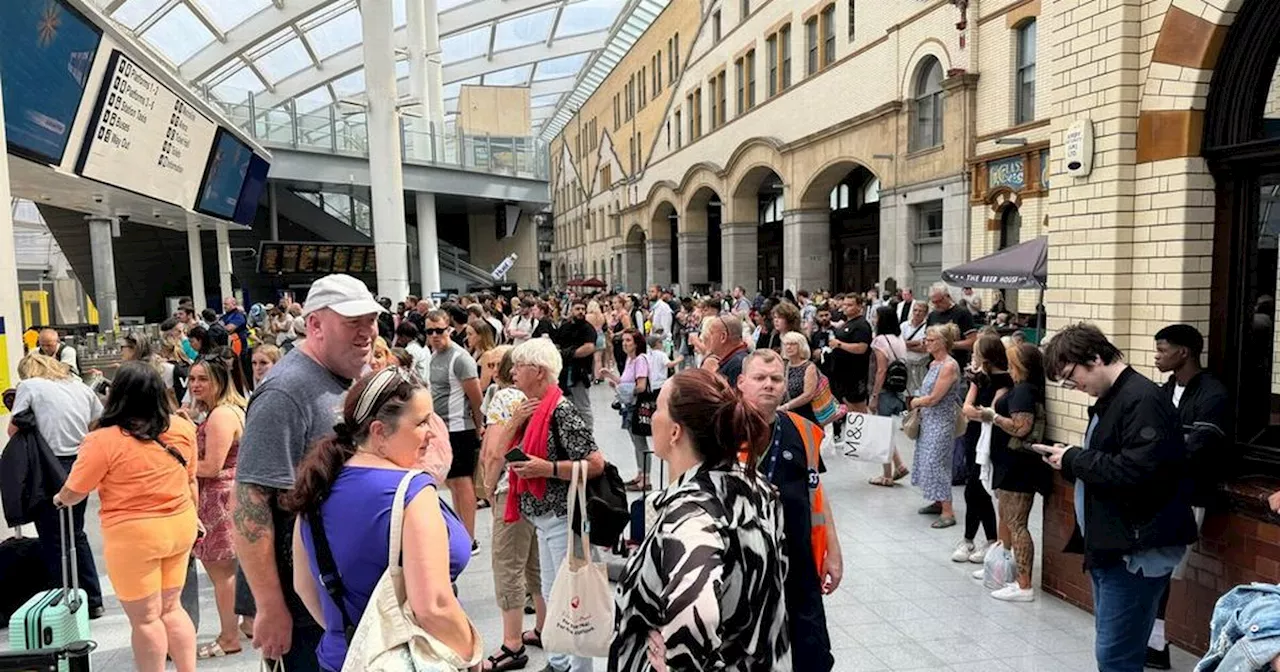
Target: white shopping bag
column 580, row 609
column 868, row 437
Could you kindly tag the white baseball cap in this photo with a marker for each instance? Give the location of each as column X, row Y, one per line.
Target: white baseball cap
column 343, row 294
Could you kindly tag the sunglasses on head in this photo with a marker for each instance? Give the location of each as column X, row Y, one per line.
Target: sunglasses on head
column 435, row 331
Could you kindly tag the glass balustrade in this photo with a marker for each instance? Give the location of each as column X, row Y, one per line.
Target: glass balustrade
column 343, row 129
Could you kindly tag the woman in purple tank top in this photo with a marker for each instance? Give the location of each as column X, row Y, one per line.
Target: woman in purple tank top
column 349, row 480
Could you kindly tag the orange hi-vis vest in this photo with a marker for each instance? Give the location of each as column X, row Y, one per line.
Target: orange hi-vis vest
column 811, row 435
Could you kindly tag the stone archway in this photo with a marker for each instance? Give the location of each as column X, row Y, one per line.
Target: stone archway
column 698, row 240
column 632, row 252
column 753, row 241
column 660, row 245
column 835, row 226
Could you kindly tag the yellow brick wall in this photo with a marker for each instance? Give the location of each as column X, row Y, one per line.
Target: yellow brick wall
column 1273, row 97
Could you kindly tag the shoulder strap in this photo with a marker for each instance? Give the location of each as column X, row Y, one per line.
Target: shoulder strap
column 329, row 576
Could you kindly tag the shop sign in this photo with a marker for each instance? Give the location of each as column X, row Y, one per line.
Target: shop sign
column 1009, row 173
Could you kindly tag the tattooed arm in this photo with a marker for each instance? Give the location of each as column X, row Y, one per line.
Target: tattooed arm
column 255, row 549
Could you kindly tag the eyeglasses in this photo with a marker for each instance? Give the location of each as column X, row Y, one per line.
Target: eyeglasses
column 1067, row 382
column 433, row 331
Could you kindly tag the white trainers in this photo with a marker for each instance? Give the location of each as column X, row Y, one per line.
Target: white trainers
column 979, row 552
column 1014, row 593
column 978, row 575
column 964, row 548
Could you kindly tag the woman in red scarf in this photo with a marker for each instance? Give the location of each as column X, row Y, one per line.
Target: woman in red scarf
column 551, row 432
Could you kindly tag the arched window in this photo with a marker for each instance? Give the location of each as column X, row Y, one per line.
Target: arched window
column 1010, row 227
column 871, row 192
column 1025, row 86
column 926, row 127
column 772, row 211
column 840, row 197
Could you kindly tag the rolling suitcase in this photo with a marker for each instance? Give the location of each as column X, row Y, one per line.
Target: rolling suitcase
column 21, row 557
column 54, row 618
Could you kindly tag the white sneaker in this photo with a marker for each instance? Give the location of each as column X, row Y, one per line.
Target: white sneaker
column 979, row 552
column 1014, row 593
column 964, row 548
column 978, row 574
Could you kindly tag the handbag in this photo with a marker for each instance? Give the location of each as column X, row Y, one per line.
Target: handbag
column 962, row 423
column 608, row 513
column 823, row 402
column 580, row 608
column 911, row 424
column 388, row 638
column 646, row 406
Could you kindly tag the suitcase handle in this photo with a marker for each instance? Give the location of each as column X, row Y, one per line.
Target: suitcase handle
column 67, row 542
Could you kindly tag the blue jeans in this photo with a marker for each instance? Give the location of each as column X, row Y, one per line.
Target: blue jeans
column 1124, row 609
column 553, row 548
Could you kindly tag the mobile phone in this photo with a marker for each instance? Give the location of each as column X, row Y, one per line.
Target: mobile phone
column 516, row 455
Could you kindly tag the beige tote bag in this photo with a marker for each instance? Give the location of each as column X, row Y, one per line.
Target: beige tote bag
column 388, row 638
column 580, row 611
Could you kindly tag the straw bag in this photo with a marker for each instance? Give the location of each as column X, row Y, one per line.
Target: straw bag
column 388, row 638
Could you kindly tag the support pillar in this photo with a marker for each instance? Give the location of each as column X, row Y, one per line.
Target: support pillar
column 739, row 255
column 273, row 210
column 385, row 161
column 631, row 267
column 657, row 257
column 693, row 258
column 224, row 261
column 104, row 273
column 806, row 249
column 10, row 305
column 428, row 243
column 195, row 255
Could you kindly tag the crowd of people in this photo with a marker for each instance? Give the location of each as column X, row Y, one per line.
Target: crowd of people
column 274, row 447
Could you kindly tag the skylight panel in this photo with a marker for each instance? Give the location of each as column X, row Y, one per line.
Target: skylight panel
column 588, row 16
column 284, row 60
column 237, row 87
column 227, row 14
column 134, row 12
column 466, row 45
column 524, row 30
column 313, row 100
column 543, row 101
column 349, row 85
column 556, row 68
column 178, row 35
column 517, row 76
column 337, row 34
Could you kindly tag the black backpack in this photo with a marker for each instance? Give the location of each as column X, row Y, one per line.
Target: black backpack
column 895, row 374
column 218, row 334
column 180, row 372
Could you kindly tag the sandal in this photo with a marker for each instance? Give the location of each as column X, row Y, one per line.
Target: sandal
column 531, row 638
column 507, row 659
column 214, row 650
column 901, row 473
column 943, row 522
column 882, row 481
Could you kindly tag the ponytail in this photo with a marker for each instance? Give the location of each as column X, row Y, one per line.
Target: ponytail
column 719, row 421
column 738, row 423
column 318, row 471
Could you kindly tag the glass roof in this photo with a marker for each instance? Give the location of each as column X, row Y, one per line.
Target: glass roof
column 308, row 51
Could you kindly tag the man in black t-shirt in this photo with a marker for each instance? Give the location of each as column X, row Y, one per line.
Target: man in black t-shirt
column 946, row 311
column 851, row 356
column 820, row 334
column 576, row 339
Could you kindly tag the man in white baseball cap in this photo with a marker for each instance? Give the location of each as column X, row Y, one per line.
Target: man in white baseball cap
column 297, row 403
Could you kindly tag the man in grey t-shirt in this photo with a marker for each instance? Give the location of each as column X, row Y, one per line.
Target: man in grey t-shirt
column 299, row 401
column 455, row 391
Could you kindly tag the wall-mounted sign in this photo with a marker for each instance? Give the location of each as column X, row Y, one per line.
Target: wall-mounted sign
column 1077, row 148
column 314, row 258
column 1009, row 173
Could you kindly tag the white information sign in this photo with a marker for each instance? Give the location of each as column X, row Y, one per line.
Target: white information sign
column 503, row 267
column 146, row 138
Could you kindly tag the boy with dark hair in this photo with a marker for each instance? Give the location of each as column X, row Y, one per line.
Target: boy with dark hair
column 1133, row 517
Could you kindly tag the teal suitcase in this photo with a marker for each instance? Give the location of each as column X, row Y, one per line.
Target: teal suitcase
column 54, row 618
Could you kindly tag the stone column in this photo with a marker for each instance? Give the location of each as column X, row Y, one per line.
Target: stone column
column 104, row 272
column 224, row 261
column 632, row 268
column 657, row 257
column 806, row 249
column 196, row 257
column 693, row 258
column 739, row 256
column 385, row 168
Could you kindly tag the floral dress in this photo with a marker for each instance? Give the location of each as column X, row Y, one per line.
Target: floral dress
column 215, row 503
column 931, row 465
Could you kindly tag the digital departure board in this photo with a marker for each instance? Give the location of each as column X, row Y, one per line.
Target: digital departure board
column 315, row 258
column 145, row 138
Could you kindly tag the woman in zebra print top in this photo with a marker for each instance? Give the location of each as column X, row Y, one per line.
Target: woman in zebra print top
column 705, row 589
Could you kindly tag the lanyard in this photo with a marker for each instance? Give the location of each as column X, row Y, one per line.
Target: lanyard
column 775, row 448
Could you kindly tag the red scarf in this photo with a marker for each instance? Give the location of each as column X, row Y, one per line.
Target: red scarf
column 537, row 432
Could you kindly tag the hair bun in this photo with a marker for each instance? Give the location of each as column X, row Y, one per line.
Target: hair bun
column 344, row 432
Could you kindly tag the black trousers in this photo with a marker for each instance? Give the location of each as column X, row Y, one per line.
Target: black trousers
column 978, row 508
column 51, row 545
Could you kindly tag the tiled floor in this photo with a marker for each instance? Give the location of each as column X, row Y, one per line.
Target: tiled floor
column 903, row 604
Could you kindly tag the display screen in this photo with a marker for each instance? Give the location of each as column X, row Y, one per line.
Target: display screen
column 46, row 52
column 145, row 138
column 255, row 182
column 224, row 176
column 314, row 258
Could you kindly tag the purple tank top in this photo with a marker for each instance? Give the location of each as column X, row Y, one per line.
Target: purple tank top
column 357, row 521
